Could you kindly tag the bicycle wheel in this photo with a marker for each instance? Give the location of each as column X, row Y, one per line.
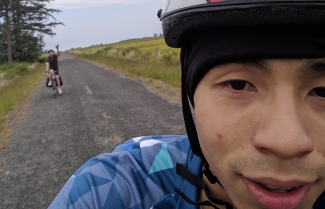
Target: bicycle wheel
column 54, row 86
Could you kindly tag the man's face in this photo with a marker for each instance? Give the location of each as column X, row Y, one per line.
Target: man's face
column 261, row 127
column 51, row 53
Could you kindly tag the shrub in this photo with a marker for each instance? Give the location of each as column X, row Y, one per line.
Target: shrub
column 4, row 67
column 15, row 68
column 22, row 68
column 169, row 57
column 41, row 59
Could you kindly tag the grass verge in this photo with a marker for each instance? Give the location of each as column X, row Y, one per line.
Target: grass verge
column 12, row 95
column 170, row 75
column 149, row 60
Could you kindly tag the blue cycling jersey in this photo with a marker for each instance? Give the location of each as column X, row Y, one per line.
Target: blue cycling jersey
column 138, row 174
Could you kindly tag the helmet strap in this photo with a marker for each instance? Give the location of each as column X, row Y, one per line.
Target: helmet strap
column 207, row 172
column 192, row 133
column 199, row 183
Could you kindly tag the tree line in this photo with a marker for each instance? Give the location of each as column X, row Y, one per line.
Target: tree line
column 23, row 24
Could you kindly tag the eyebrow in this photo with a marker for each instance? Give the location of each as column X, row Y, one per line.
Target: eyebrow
column 309, row 66
column 312, row 66
column 256, row 63
column 260, row 64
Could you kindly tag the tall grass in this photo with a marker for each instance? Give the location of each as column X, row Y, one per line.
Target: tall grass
column 137, row 68
column 27, row 77
column 158, row 56
column 147, row 57
column 14, row 69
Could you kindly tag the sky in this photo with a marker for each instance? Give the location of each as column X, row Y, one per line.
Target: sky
column 91, row 22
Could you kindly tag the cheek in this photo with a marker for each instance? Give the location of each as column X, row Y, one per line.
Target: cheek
column 224, row 132
column 319, row 140
column 225, row 137
column 315, row 123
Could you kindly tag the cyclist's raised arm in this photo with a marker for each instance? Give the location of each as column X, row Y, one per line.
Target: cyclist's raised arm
column 57, row 48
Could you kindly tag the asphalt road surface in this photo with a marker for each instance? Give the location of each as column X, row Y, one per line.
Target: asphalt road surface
column 98, row 110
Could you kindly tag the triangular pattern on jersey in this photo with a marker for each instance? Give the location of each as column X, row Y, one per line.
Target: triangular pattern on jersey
column 162, row 161
column 83, row 184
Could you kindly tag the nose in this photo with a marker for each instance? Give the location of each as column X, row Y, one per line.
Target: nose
column 282, row 131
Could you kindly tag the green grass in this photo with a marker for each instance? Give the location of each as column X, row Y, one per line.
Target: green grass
column 147, row 57
column 15, row 68
column 145, row 43
column 27, row 76
column 171, row 75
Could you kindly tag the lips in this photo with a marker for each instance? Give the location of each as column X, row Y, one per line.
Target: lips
column 278, row 189
column 272, row 196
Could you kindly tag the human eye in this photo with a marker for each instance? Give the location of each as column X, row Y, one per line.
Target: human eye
column 319, row 91
column 239, row 85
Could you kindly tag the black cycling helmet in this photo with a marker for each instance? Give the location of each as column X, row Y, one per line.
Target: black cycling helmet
column 235, row 24
column 180, row 17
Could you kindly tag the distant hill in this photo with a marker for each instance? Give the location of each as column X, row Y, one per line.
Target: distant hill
column 147, row 43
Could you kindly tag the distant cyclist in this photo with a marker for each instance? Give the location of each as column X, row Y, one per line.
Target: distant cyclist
column 52, row 66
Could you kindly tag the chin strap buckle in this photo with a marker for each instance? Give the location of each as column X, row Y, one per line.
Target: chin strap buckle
column 212, row 179
column 199, row 183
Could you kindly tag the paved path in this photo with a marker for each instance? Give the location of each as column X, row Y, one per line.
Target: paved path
column 97, row 110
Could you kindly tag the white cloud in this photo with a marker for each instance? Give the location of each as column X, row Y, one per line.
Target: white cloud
column 76, row 4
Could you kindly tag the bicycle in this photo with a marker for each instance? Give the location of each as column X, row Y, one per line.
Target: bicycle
column 54, row 84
